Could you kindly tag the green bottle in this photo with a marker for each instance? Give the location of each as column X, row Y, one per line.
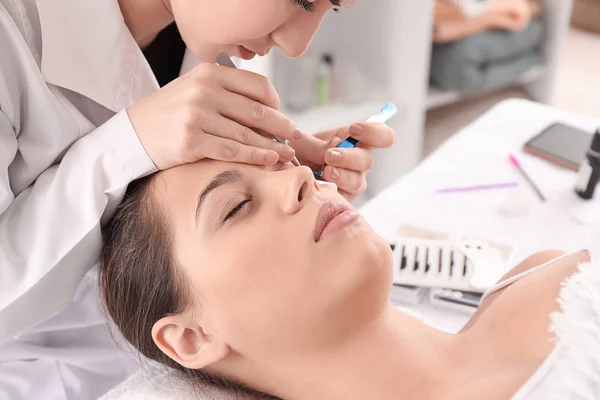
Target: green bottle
column 323, row 80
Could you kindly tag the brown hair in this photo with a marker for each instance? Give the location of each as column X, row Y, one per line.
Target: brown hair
column 141, row 283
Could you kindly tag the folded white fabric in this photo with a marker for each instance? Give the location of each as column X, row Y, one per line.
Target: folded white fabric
column 576, row 375
column 158, row 383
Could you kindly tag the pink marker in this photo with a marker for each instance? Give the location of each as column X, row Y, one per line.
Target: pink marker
column 513, row 160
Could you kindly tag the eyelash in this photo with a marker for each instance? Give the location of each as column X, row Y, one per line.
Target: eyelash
column 237, row 208
column 310, row 6
column 307, row 5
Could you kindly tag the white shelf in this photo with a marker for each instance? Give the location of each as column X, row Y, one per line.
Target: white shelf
column 334, row 115
column 438, row 98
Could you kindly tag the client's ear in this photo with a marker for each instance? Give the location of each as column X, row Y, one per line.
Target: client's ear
column 188, row 344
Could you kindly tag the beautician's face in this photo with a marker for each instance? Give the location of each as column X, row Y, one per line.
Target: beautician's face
column 244, row 27
column 260, row 279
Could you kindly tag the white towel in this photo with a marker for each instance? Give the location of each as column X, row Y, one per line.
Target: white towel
column 577, row 328
column 158, row 383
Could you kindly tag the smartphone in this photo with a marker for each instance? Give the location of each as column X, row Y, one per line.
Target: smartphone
column 561, row 144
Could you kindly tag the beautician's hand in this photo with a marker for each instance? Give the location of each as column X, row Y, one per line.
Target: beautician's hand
column 346, row 167
column 213, row 112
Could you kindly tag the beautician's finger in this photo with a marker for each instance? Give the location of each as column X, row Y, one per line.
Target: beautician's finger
column 253, row 114
column 311, row 149
column 356, row 159
column 340, row 132
column 371, row 134
column 245, row 83
column 347, row 180
column 226, row 128
column 222, row 149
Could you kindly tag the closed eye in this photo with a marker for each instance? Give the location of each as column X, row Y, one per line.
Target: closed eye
column 237, row 208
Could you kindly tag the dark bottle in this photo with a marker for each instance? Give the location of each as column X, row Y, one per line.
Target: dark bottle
column 589, row 172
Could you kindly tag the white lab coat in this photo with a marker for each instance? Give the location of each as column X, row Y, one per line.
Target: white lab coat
column 68, row 69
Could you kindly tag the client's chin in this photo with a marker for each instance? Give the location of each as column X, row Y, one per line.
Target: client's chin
column 363, row 276
column 370, row 253
column 377, row 265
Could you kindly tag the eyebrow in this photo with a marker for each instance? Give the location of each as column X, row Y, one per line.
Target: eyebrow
column 224, row 178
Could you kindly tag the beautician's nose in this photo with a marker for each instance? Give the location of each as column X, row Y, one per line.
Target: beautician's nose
column 294, row 36
column 298, row 185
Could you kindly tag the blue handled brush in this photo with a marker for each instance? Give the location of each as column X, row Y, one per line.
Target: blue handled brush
column 387, row 112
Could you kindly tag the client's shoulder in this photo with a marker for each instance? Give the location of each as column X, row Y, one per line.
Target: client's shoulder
column 560, row 265
column 544, row 257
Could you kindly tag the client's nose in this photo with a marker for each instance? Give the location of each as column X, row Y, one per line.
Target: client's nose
column 299, row 184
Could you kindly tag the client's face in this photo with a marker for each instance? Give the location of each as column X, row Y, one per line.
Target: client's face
column 276, row 262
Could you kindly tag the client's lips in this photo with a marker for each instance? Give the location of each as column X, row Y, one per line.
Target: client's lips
column 332, row 217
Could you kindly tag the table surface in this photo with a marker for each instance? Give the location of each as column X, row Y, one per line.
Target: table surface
column 479, row 155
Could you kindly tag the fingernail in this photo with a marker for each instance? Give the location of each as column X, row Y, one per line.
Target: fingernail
column 335, row 174
column 285, row 151
column 288, row 153
column 356, row 130
column 333, row 142
column 271, row 158
column 334, row 157
column 297, row 134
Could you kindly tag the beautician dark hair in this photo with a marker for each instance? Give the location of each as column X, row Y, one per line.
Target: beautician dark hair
column 140, row 281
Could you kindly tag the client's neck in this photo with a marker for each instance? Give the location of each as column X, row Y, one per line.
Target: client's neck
column 394, row 357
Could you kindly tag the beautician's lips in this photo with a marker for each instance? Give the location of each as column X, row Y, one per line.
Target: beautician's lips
column 332, row 217
column 245, row 53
